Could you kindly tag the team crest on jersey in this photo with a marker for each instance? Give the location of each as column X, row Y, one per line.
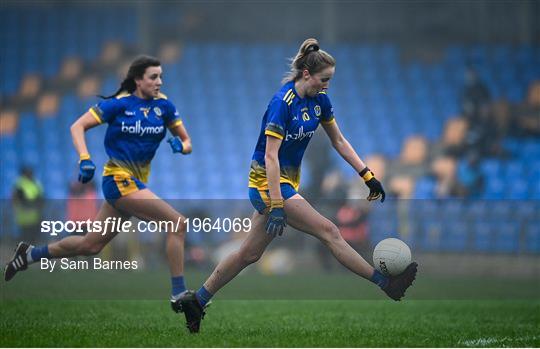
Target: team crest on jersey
column 157, row 111
column 317, row 110
column 145, row 111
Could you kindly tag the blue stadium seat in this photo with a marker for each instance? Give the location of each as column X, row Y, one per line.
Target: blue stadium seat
column 424, row 189
column 518, row 190
column 507, row 237
column 431, row 234
column 495, row 189
column 491, row 167
column 532, row 237
column 455, row 236
column 381, row 101
column 484, row 236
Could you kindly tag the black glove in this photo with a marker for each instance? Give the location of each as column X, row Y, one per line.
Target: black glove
column 376, row 190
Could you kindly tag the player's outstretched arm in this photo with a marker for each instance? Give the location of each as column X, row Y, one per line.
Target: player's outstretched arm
column 347, row 152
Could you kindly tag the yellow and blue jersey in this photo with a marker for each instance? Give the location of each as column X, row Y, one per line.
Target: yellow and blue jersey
column 293, row 120
column 136, row 126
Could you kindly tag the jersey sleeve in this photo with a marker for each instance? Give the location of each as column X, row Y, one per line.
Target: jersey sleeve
column 107, row 110
column 327, row 111
column 172, row 116
column 276, row 119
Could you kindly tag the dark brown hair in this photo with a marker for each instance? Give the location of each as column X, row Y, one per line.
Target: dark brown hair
column 136, row 71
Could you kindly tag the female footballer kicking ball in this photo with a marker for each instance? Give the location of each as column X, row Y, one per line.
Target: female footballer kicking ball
column 292, row 116
column 138, row 116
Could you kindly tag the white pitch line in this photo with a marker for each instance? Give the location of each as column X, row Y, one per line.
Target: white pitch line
column 482, row 342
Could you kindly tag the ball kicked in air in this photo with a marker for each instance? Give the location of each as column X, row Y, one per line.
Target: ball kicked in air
column 391, row 256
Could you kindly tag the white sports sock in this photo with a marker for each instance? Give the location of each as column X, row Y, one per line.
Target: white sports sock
column 29, row 254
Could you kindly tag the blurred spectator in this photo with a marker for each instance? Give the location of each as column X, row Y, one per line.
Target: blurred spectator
column 30, row 86
column 170, row 52
column 8, row 122
column 88, row 87
column 470, row 180
column 476, row 97
column 401, row 187
column 412, row 161
column 27, row 201
column 47, row 105
column 377, row 164
column 70, row 71
column 111, row 55
column 82, row 202
column 444, row 171
column 527, row 118
column 28, row 92
column 351, row 219
column 333, row 186
column 502, row 122
column 453, row 139
column 476, row 109
column 482, row 137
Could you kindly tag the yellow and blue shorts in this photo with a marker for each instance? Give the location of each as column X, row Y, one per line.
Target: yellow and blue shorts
column 260, row 199
column 116, row 186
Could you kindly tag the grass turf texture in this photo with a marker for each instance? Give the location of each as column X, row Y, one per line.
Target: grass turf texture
column 273, row 323
column 131, row 309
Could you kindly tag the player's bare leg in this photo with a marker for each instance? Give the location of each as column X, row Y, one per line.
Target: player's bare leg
column 90, row 244
column 145, row 205
column 302, row 216
column 251, row 250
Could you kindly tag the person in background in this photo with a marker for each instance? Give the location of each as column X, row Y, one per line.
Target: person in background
column 27, row 201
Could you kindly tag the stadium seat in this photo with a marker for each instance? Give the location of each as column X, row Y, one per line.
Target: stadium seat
column 381, row 101
column 483, row 236
column 532, row 237
column 507, row 237
column 455, row 236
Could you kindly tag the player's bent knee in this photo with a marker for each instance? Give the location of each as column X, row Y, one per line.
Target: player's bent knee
column 89, row 249
column 92, row 249
column 248, row 258
column 180, row 229
column 330, row 233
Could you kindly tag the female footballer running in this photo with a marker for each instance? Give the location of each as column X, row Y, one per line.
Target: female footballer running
column 138, row 116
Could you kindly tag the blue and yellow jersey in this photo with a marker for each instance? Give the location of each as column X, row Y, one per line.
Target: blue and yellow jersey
column 293, row 120
column 136, row 127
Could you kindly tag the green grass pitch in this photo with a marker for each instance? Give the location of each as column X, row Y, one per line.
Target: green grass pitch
column 336, row 310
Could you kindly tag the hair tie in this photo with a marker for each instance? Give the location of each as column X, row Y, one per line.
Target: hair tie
column 312, row 48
